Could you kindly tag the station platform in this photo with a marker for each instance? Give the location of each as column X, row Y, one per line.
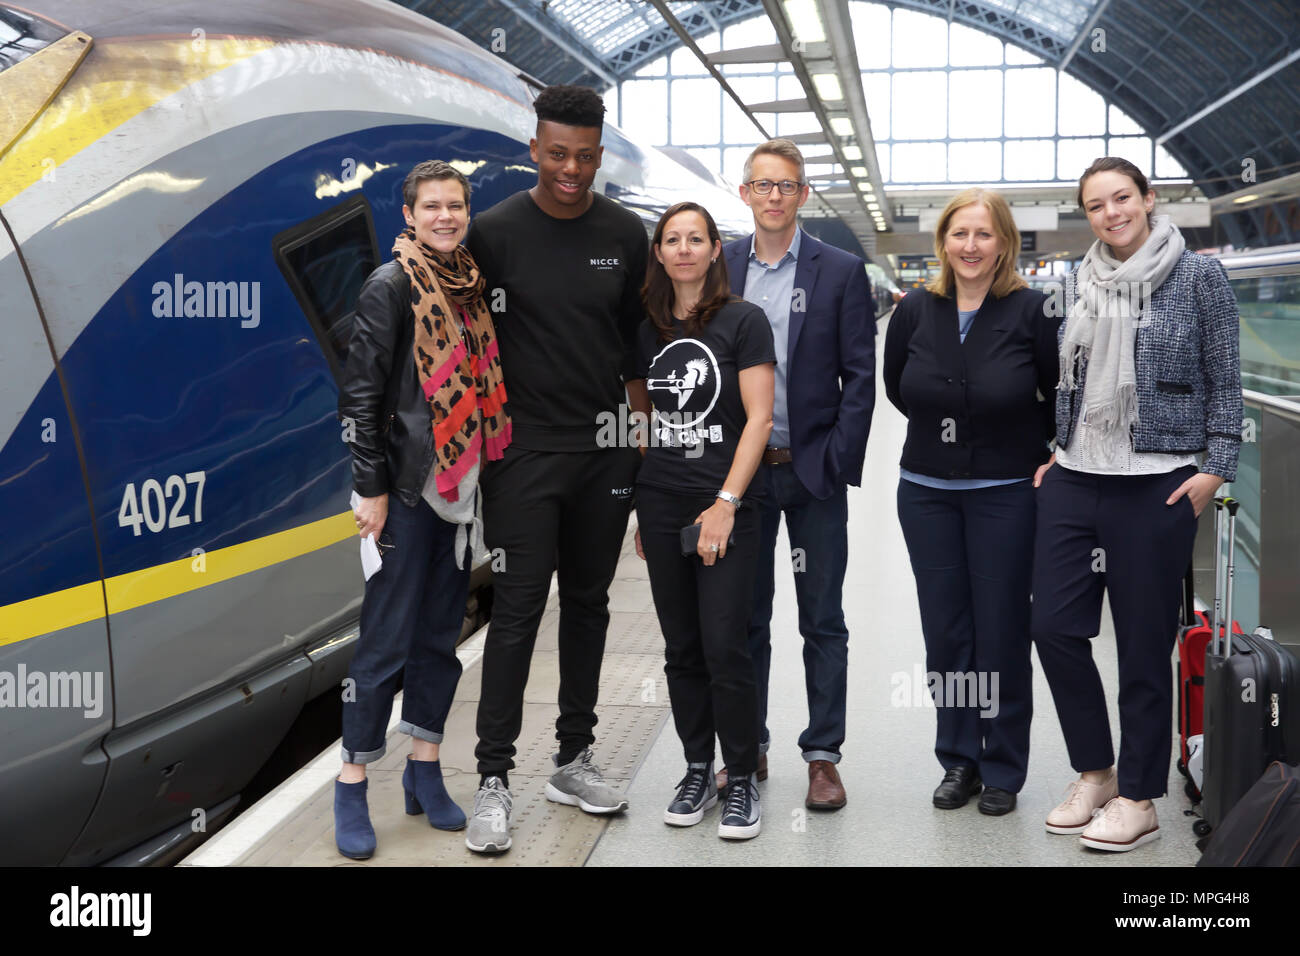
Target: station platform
column 888, row 768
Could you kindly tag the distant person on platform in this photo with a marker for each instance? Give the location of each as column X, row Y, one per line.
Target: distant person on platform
column 818, row 302
column 566, row 265
column 418, row 446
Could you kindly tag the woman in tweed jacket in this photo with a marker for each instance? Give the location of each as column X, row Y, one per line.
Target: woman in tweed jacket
column 1148, row 425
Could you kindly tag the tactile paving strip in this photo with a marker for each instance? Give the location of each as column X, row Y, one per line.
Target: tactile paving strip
column 633, row 709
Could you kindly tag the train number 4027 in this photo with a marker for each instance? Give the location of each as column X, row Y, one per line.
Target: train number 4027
column 150, row 508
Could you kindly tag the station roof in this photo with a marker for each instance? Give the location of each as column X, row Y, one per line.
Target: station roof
column 1216, row 82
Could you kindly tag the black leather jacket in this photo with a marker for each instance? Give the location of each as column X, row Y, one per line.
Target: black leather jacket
column 391, row 434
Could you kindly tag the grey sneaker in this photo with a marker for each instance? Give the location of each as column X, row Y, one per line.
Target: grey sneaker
column 741, row 819
column 489, row 827
column 579, row 784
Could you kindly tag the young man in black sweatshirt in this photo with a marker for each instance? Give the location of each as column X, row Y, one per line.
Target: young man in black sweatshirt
column 566, row 266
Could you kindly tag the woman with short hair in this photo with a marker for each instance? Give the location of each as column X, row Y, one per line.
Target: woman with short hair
column 966, row 359
column 423, row 392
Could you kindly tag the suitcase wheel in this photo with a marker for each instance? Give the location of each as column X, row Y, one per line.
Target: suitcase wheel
column 1189, row 788
column 1201, row 828
column 1182, row 768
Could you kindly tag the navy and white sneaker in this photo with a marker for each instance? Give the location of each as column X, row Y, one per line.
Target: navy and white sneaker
column 741, row 818
column 696, row 793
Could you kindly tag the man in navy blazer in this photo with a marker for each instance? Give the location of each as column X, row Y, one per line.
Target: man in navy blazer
column 818, row 301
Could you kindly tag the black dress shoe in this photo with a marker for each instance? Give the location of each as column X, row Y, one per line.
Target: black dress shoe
column 995, row 802
column 959, row 785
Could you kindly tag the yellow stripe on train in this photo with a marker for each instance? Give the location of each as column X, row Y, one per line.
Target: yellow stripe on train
column 85, row 602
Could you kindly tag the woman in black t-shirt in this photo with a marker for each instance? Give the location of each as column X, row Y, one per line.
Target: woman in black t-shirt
column 708, row 362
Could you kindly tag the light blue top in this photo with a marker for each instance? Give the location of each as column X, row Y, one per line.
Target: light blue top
column 964, row 321
column 771, row 288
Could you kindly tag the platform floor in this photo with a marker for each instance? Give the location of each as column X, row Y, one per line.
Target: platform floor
column 889, row 769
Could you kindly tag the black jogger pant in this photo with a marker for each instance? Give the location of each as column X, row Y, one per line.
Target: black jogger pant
column 704, row 615
column 543, row 512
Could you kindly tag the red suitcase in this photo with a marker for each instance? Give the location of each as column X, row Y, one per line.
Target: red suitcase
column 1193, row 639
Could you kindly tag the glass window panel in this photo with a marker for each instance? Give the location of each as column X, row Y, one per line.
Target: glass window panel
column 790, row 123
column 1083, row 111
column 711, row 158
column 977, row 162
column 970, row 47
column 736, row 127
column 882, row 160
column 611, row 106
column 756, row 31
column 871, row 30
column 1019, row 55
column 1030, row 102
column 1167, row 167
column 976, row 103
column 919, row 105
column 645, row 110
column 1030, row 160
column 683, row 62
column 1121, row 122
column 920, row 163
column 1073, row 156
column 789, row 88
column 1136, row 149
column 733, row 162
column 657, row 67
column 695, row 117
column 919, row 39
column 876, row 86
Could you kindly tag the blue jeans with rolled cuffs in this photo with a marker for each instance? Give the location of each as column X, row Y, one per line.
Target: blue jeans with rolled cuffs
column 972, row 556
column 818, row 531
column 411, row 619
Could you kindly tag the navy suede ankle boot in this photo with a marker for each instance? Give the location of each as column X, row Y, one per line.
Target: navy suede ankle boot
column 422, row 782
column 352, row 830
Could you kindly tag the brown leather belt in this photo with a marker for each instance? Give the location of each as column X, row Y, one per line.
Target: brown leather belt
column 777, row 456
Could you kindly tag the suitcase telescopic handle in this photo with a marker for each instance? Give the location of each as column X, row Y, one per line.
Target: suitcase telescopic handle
column 1223, row 639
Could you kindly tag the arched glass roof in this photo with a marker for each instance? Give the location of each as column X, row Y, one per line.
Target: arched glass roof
column 1216, row 82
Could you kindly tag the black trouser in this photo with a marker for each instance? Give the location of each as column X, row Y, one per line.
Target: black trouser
column 542, row 512
column 704, row 615
column 1113, row 532
column 972, row 556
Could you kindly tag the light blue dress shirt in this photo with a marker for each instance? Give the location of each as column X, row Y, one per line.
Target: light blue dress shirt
column 771, row 288
column 964, row 321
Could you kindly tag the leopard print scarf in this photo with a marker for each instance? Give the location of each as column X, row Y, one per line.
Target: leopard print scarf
column 460, row 374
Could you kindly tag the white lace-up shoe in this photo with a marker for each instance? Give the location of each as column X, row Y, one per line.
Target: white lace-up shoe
column 1121, row 826
column 1081, row 801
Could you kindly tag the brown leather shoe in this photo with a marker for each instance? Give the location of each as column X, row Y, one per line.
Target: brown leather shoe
column 720, row 778
column 825, row 792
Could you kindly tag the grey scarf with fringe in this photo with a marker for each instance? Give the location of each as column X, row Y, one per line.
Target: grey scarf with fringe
column 1101, row 326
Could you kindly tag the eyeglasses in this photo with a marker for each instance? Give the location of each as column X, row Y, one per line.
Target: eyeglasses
column 763, row 187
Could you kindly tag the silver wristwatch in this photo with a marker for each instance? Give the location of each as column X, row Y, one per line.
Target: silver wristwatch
column 729, row 497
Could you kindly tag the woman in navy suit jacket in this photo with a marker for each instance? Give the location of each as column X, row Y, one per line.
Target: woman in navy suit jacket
column 966, row 360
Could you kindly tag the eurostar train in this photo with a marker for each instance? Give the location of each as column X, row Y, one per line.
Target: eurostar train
column 191, row 195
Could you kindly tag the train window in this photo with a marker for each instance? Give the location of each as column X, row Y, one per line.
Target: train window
column 22, row 34
column 325, row 261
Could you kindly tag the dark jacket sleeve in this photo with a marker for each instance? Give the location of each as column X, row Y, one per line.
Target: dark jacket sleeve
column 365, row 380
column 857, row 371
column 1221, row 366
column 1047, row 360
column 897, row 338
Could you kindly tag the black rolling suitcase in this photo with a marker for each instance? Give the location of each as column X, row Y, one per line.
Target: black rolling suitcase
column 1252, row 701
column 1263, row 829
